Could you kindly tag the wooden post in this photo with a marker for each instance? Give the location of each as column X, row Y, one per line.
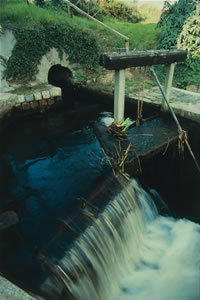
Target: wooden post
column 168, row 84
column 119, row 95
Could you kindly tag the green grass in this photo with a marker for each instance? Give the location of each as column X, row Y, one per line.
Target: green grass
column 142, row 36
column 29, row 15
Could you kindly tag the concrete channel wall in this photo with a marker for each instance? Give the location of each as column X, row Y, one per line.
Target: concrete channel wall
column 37, row 101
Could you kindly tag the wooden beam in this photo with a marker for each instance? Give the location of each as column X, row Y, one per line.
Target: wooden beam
column 117, row 61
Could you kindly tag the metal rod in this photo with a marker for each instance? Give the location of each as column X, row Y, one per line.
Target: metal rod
column 165, row 98
column 181, row 131
column 99, row 22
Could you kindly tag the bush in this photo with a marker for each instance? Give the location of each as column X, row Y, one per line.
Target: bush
column 172, row 23
column 172, row 20
column 189, row 40
column 113, row 8
column 121, row 11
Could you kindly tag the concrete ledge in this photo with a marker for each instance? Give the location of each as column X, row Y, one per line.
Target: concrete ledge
column 9, row 291
column 185, row 103
column 34, row 101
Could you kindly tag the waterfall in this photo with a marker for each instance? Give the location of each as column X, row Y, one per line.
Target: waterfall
column 130, row 252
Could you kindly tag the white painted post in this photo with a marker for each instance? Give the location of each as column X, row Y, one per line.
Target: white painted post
column 168, row 84
column 119, row 95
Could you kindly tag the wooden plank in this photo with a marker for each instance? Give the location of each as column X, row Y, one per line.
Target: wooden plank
column 116, row 61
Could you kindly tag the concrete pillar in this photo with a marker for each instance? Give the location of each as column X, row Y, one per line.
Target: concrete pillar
column 168, row 84
column 119, row 95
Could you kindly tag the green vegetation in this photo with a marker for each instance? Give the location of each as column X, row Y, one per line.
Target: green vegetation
column 182, row 19
column 79, row 45
column 172, row 20
column 189, row 40
column 28, row 15
column 37, row 30
column 118, row 9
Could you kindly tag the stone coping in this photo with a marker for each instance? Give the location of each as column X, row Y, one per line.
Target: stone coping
column 46, row 93
column 35, row 100
column 9, row 291
column 185, row 103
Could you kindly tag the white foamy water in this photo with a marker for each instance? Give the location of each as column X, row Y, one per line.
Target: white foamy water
column 169, row 264
column 129, row 252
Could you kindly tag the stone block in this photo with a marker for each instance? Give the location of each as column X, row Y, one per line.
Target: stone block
column 29, row 98
column 51, row 101
column 20, row 99
column 55, row 91
column 34, row 105
column 45, row 94
column 37, row 96
column 43, row 103
column 18, row 106
column 26, row 106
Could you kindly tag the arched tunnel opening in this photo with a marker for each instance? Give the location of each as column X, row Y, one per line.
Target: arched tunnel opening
column 62, row 77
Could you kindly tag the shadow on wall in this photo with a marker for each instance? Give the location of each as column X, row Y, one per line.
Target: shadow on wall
column 62, row 77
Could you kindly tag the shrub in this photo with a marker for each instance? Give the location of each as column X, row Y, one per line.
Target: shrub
column 114, row 8
column 172, row 23
column 172, row 20
column 189, row 40
column 121, row 11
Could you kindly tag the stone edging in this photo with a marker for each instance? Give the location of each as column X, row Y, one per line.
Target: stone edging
column 38, row 100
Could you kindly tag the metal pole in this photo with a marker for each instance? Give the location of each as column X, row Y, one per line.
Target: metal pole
column 97, row 21
column 180, row 130
column 165, row 98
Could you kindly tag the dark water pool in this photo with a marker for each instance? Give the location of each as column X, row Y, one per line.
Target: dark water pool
column 47, row 164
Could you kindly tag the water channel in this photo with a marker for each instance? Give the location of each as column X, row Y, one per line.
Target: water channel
column 139, row 246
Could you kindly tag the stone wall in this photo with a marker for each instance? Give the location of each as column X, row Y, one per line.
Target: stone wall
column 7, row 43
column 37, row 101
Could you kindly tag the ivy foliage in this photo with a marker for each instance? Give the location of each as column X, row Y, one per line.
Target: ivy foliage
column 32, row 43
column 180, row 28
column 189, row 39
column 172, row 20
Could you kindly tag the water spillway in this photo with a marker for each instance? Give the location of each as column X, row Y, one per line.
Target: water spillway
column 81, row 238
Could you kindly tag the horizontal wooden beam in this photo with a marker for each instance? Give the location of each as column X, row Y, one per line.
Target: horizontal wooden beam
column 117, row 61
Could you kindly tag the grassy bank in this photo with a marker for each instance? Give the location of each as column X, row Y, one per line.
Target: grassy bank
column 32, row 18
column 142, row 36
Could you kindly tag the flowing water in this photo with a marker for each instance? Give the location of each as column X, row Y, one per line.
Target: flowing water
column 146, row 256
column 127, row 251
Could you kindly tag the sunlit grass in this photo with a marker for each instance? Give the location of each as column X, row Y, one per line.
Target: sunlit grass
column 142, row 36
column 27, row 15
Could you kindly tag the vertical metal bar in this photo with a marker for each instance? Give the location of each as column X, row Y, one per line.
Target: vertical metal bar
column 119, row 95
column 168, row 84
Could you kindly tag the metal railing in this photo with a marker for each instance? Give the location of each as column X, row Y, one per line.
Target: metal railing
column 101, row 23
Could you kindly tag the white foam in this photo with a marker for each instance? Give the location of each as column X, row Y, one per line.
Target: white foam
column 169, row 265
